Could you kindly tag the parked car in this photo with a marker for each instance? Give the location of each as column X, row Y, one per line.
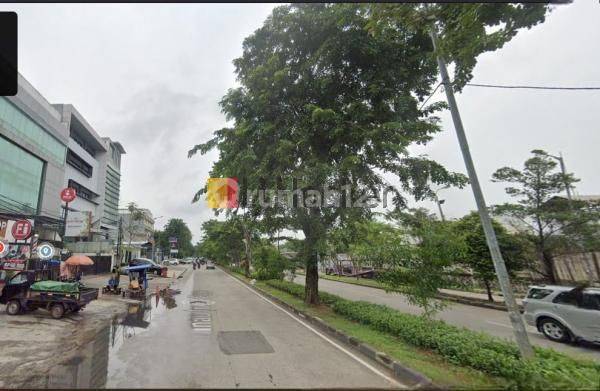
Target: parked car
column 154, row 267
column 185, row 261
column 564, row 313
column 173, row 262
column 210, row 265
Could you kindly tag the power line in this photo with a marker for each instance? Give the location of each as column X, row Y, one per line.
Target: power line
column 534, row 87
column 429, row 97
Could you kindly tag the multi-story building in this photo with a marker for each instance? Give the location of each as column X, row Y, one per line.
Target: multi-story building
column 137, row 233
column 93, row 170
column 33, row 148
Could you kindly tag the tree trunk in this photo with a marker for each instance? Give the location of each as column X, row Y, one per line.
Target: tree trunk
column 248, row 251
column 549, row 267
column 313, row 232
column 311, row 287
column 488, row 288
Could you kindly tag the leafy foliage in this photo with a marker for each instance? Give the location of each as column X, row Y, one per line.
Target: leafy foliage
column 477, row 254
column 325, row 103
column 268, row 263
column 176, row 228
column 549, row 221
column 465, row 30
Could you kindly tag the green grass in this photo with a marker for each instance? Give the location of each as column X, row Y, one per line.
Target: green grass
column 428, row 363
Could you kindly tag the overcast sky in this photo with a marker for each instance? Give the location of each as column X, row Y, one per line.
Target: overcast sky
column 150, row 76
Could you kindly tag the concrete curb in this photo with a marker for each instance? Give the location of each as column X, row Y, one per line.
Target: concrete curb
column 400, row 372
column 444, row 296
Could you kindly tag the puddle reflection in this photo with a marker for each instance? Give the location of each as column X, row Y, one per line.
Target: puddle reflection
column 90, row 367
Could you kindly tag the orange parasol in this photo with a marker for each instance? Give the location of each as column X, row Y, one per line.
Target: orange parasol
column 79, row 260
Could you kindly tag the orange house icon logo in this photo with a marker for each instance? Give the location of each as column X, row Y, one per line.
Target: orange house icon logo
column 222, row 193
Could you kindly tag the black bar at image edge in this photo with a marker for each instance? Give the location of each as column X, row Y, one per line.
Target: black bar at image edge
column 8, row 54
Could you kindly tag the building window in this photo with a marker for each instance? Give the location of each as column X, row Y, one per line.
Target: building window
column 82, row 191
column 21, row 174
column 77, row 162
column 18, row 123
column 82, row 144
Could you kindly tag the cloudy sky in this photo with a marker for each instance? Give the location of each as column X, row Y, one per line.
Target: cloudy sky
column 151, row 76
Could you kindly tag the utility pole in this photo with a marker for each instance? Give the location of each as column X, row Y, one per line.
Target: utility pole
column 513, row 310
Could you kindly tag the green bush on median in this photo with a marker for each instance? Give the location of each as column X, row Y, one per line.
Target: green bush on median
column 548, row 370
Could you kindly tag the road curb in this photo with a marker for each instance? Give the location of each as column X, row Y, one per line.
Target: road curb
column 400, row 372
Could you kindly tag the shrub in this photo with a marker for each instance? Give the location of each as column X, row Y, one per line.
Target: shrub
column 548, row 370
column 268, row 263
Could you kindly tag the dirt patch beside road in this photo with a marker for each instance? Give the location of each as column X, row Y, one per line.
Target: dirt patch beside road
column 34, row 342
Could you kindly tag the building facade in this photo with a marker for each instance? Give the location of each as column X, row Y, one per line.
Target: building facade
column 137, row 233
column 92, row 168
column 33, row 149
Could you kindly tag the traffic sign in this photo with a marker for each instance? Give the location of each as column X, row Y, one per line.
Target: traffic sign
column 45, row 251
column 68, row 194
column 21, row 229
column 3, row 248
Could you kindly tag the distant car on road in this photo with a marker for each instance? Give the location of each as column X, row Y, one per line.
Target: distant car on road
column 185, row 261
column 564, row 313
column 154, row 267
column 173, row 262
column 210, row 265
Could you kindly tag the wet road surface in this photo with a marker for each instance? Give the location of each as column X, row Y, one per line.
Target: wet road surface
column 216, row 333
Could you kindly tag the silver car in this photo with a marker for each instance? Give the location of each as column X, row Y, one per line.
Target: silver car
column 564, row 313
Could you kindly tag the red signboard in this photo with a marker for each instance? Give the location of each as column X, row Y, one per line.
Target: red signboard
column 68, row 194
column 21, row 229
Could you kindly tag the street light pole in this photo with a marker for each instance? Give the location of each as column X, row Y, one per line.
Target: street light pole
column 563, row 169
column 440, row 202
column 513, row 310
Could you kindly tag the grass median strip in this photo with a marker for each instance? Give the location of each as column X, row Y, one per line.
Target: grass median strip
column 453, row 346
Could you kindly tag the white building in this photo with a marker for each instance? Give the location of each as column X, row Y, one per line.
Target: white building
column 93, row 169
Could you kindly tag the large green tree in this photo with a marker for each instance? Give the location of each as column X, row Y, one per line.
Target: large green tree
column 477, row 254
column 549, row 221
column 465, row 30
column 324, row 103
column 178, row 228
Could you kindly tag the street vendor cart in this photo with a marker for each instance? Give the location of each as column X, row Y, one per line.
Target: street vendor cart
column 138, row 281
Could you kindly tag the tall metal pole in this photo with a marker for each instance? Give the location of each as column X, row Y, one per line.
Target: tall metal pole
column 439, row 204
column 564, row 172
column 513, row 310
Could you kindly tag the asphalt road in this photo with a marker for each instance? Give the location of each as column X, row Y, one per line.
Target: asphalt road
column 486, row 320
column 219, row 333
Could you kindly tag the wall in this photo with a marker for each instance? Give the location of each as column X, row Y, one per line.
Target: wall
column 572, row 268
column 31, row 103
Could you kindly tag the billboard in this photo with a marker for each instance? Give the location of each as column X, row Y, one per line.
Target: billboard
column 78, row 224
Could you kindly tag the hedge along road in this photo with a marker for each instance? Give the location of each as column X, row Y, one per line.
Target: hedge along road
column 222, row 334
column 490, row 321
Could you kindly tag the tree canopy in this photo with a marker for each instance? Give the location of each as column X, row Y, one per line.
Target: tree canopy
column 547, row 219
column 324, row 102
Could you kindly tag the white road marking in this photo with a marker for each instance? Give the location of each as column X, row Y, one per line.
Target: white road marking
column 339, row 347
column 499, row 324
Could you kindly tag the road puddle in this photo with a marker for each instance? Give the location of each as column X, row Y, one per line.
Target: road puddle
column 90, row 366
